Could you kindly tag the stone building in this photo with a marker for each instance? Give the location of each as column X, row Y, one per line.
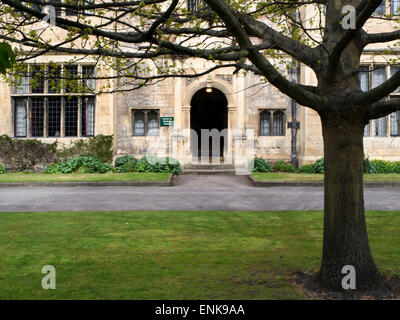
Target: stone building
column 252, row 118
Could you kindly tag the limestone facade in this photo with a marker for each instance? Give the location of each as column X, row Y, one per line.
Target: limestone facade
column 257, row 116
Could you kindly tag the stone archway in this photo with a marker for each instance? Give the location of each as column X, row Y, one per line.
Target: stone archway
column 227, row 90
column 209, row 123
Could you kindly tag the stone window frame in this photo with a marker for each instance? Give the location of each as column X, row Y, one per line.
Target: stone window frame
column 146, row 118
column 272, row 113
column 370, row 131
column 27, row 94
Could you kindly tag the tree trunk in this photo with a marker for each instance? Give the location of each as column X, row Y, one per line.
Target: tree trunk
column 345, row 232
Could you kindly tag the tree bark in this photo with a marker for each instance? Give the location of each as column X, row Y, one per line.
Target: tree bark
column 345, row 233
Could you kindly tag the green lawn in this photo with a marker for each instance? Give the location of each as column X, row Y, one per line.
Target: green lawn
column 172, row 255
column 43, row 177
column 283, row 176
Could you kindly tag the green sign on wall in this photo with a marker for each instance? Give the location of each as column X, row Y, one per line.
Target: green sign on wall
column 166, row 121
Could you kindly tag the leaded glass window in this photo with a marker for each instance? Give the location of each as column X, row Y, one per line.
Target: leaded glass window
column 54, row 116
column 152, row 123
column 393, row 70
column 88, row 116
column 37, row 117
column 138, row 123
column 265, row 123
column 278, row 123
column 381, row 9
column 380, row 127
column 395, row 7
column 20, row 117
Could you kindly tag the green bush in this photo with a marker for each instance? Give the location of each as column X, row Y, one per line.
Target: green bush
column 260, row 165
column 120, row 161
column 126, row 167
column 319, row 166
column 316, row 167
column 381, row 166
column 2, row 170
column 99, row 147
column 368, row 167
column 156, row 164
column 281, row 166
column 307, row 168
column 81, row 164
column 25, row 154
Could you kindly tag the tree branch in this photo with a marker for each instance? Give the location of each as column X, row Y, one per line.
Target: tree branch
column 382, row 109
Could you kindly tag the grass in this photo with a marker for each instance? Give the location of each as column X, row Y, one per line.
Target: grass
column 284, row 176
column 77, row 177
column 172, row 255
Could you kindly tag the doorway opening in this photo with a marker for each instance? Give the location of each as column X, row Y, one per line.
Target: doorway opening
column 209, row 123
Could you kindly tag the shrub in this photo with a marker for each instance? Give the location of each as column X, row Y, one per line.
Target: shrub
column 316, row 167
column 25, row 154
column 319, row 166
column 81, row 164
column 381, row 166
column 281, row 166
column 120, row 161
column 99, row 147
column 156, row 164
column 2, row 170
column 368, row 166
column 126, row 167
column 260, row 165
column 307, row 168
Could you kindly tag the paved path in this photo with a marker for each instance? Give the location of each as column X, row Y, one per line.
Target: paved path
column 188, row 193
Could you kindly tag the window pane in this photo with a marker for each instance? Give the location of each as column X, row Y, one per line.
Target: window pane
column 363, row 77
column 88, row 116
column 70, row 11
column 37, row 79
column 20, row 118
column 88, row 81
column 152, row 118
column 394, row 7
column 380, row 127
column 265, row 117
column 53, row 116
column 71, row 117
column 367, row 130
column 88, row 2
column 192, row 5
column 58, row 10
column 381, row 9
column 393, row 70
column 138, row 129
column 378, row 76
column 71, row 75
column 54, row 79
column 21, row 83
column 394, row 124
column 278, row 123
column 37, row 117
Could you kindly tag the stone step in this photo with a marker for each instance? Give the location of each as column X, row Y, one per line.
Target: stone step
column 209, row 171
column 209, row 166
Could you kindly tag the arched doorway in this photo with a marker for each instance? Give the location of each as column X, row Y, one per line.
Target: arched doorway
column 208, row 115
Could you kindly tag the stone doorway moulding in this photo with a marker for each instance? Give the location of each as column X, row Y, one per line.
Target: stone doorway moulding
column 227, row 90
